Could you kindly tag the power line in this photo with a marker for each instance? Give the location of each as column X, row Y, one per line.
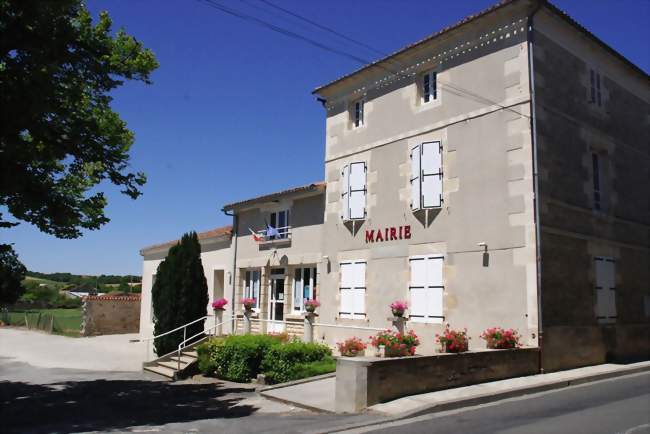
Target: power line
column 456, row 90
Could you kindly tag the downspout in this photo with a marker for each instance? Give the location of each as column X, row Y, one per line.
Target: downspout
column 533, row 128
column 234, row 270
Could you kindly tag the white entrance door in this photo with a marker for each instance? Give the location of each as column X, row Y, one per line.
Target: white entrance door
column 276, row 303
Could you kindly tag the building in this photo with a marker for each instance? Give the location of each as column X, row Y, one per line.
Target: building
column 494, row 173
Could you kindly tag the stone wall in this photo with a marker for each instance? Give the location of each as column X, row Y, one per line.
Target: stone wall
column 106, row 315
column 573, row 229
column 365, row 381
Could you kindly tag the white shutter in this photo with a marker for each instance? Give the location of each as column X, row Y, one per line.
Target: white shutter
column 353, row 289
column 357, row 190
column 431, row 175
column 415, row 179
column 605, row 289
column 418, row 290
column 345, row 193
column 359, row 303
column 435, row 284
column 347, row 275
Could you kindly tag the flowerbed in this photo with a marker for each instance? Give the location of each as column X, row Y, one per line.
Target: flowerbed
column 501, row 339
column 242, row 358
column 396, row 344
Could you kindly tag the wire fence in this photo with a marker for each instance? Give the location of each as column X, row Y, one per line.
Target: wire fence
column 63, row 323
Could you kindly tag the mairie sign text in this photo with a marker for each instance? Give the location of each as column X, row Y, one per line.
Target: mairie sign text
column 388, row 234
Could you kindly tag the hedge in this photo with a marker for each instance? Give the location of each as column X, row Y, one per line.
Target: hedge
column 280, row 362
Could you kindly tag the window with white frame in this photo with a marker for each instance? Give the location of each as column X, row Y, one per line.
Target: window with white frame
column 426, row 175
column 429, row 87
column 252, row 286
column 304, row 287
column 595, row 96
column 353, row 191
column 358, row 113
column 426, row 288
column 279, row 222
column 598, row 162
column 605, row 289
column 353, row 289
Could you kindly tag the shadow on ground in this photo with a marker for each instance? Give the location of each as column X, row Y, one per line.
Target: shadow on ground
column 74, row 406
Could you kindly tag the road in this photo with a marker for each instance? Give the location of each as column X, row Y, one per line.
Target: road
column 620, row 405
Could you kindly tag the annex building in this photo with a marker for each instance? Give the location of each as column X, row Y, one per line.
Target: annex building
column 495, row 173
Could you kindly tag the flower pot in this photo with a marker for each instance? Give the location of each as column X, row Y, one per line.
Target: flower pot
column 398, row 313
column 310, row 309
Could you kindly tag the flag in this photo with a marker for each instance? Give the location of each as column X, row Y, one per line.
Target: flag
column 256, row 237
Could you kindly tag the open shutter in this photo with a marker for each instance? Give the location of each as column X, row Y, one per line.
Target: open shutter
column 605, row 289
column 357, row 190
column 359, row 297
column 416, row 202
column 435, row 285
column 431, row 175
column 347, row 274
column 345, row 192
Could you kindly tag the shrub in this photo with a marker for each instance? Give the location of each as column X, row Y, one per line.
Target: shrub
column 501, row 339
column 397, row 344
column 453, row 341
column 305, row 370
column 205, row 351
column 351, row 347
column 236, row 358
column 280, row 362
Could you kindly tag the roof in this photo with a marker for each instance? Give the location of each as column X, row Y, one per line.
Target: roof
column 108, row 297
column 475, row 17
column 212, row 233
column 315, row 186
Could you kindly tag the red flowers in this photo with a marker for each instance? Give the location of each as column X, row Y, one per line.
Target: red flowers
column 311, row 305
column 219, row 304
column 498, row 338
column 396, row 344
column 351, row 347
column 398, row 307
column 453, row 341
column 249, row 303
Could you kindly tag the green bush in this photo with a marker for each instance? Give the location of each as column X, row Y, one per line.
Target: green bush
column 282, row 362
column 236, row 358
column 205, row 350
column 305, row 370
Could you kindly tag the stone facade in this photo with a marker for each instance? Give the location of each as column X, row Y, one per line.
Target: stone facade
column 107, row 315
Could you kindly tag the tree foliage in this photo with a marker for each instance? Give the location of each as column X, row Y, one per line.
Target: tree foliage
column 12, row 272
column 59, row 138
column 180, row 293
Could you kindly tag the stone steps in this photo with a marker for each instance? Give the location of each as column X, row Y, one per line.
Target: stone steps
column 168, row 366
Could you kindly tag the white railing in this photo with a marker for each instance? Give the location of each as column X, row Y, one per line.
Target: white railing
column 183, row 344
column 279, row 234
column 184, row 327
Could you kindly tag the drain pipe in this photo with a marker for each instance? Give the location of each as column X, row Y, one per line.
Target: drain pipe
column 233, row 318
column 533, row 127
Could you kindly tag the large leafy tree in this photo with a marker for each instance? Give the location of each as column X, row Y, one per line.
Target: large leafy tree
column 12, row 272
column 180, row 293
column 59, row 137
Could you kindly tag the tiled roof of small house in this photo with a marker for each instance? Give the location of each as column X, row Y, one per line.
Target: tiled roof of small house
column 108, row 297
column 315, row 186
column 212, row 233
column 474, row 17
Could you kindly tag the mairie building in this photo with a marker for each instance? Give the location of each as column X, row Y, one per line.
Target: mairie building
column 495, row 173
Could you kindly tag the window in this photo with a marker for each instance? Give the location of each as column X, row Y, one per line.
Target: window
column 357, row 113
column 594, row 88
column 605, row 290
column 304, row 287
column 600, row 198
column 353, row 289
column 426, row 176
column 252, row 286
column 353, row 191
column 426, row 289
column 429, row 87
column 280, row 224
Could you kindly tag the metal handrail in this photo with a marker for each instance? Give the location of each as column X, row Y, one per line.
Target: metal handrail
column 171, row 331
column 204, row 332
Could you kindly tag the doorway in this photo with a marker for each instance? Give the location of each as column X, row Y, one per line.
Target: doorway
column 218, row 285
column 276, row 301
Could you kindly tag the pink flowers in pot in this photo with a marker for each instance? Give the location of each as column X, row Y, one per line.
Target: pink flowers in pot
column 398, row 307
column 249, row 303
column 499, row 338
column 453, row 341
column 351, row 347
column 395, row 343
column 219, row 304
column 311, row 305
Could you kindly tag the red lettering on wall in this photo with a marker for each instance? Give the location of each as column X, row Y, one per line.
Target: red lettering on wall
column 400, row 232
column 388, row 234
column 370, row 236
column 393, row 233
column 407, row 232
column 379, row 236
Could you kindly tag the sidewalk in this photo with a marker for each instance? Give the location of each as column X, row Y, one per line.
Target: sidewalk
column 319, row 395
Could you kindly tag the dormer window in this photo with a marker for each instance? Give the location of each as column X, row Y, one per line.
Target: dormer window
column 358, row 113
column 429, row 87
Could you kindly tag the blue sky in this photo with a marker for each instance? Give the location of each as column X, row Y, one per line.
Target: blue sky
column 230, row 113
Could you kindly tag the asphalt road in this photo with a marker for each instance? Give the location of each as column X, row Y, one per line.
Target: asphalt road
column 620, row 405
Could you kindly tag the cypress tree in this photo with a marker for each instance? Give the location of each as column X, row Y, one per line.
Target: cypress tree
column 180, row 293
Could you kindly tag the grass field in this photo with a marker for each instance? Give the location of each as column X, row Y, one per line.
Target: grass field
column 65, row 322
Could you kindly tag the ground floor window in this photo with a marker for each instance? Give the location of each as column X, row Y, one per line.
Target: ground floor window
column 353, row 289
column 304, row 287
column 605, row 289
column 252, row 286
column 426, row 289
